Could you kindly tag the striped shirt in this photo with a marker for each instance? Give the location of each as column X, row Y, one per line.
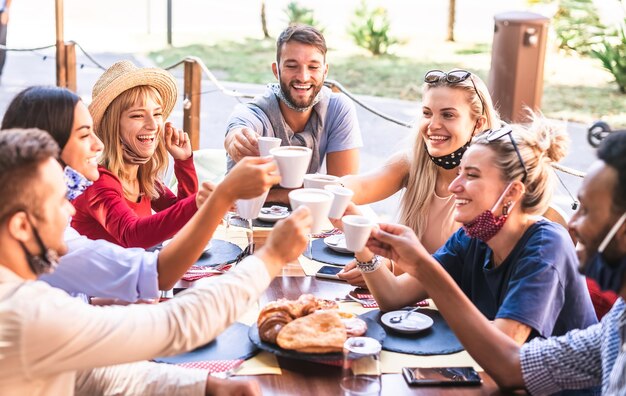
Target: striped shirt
column 579, row 359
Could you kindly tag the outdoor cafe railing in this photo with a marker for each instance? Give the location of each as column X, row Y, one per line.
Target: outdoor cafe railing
column 194, row 67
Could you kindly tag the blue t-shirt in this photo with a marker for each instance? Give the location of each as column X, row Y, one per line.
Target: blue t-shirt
column 341, row 126
column 538, row 284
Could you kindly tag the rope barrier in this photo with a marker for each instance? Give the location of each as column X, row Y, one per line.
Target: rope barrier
column 4, row 47
column 333, row 83
column 88, row 56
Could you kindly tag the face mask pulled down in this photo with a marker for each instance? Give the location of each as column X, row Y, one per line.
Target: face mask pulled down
column 42, row 263
column 486, row 225
column 609, row 276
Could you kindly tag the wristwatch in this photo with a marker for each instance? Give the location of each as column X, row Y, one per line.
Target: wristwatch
column 369, row 266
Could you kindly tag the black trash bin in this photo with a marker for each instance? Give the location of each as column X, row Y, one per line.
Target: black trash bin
column 517, row 60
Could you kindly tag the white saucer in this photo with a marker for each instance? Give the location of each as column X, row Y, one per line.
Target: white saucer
column 206, row 248
column 271, row 216
column 337, row 243
column 414, row 323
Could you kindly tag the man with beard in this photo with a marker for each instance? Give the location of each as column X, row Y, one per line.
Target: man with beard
column 299, row 110
column 53, row 344
column 579, row 359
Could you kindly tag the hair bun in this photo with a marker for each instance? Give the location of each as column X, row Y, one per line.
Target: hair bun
column 548, row 137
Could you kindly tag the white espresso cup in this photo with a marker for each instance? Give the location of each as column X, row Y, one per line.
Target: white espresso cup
column 357, row 231
column 266, row 143
column 293, row 162
column 250, row 208
column 340, row 202
column 317, row 180
column 318, row 201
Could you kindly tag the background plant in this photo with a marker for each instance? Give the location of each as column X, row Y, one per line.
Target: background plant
column 577, row 26
column 370, row 29
column 612, row 53
column 301, row 15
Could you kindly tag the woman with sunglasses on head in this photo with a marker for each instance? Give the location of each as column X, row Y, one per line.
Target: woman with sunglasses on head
column 100, row 268
column 455, row 107
column 519, row 269
column 129, row 109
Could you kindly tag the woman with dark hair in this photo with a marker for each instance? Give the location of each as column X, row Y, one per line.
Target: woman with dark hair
column 62, row 114
column 100, row 268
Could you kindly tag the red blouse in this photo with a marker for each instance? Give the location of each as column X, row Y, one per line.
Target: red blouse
column 102, row 211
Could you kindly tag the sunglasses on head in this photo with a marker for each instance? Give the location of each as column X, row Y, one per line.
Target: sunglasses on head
column 495, row 134
column 453, row 77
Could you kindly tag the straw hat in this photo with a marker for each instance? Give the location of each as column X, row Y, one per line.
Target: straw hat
column 124, row 75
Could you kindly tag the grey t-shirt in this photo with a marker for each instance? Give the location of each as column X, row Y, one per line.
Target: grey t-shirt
column 341, row 127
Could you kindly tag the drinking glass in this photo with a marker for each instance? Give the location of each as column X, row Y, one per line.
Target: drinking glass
column 360, row 374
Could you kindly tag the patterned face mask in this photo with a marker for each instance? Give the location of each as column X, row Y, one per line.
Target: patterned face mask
column 76, row 183
column 451, row 160
column 486, row 225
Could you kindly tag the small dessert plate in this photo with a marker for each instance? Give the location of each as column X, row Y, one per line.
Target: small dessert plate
column 337, row 243
column 413, row 323
column 273, row 213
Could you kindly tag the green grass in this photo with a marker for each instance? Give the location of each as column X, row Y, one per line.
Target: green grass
column 572, row 98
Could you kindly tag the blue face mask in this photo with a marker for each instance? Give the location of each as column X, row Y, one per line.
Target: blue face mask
column 76, row 183
column 609, row 276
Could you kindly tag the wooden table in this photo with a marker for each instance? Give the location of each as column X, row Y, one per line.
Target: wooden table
column 307, row 378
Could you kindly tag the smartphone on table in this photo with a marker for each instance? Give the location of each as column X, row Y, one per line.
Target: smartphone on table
column 329, row 272
column 433, row 376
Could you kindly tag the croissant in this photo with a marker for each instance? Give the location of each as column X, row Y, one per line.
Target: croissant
column 273, row 317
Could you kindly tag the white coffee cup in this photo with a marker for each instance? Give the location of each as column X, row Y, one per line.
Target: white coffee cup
column 340, row 202
column 293, row 162
column 318, row 201
column 266, row 143
column 357, row 230
column 250, row 208
column 317, row 180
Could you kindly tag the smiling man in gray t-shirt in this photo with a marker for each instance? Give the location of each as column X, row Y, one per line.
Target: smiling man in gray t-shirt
column 299, row 110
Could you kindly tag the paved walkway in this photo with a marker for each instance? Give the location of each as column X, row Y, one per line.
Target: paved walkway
column 381, row 137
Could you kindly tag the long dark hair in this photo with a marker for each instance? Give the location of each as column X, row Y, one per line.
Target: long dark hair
column 48, row 108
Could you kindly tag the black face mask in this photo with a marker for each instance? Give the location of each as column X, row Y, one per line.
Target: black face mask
column 609, row 276
column 451, row 160
column 43, row 263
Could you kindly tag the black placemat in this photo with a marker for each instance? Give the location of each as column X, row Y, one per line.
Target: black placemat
column 239, row 222
column 220, row 252
column 324, row 254
column 232, row 344
column 437, row 340
column 374, row 330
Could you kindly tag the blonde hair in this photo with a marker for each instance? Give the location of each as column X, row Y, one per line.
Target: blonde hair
column 109, row 132
column 422, row 177
column 540, row 144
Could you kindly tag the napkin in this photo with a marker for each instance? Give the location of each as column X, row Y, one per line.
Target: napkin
column 369, row 302
column 334, row 231
column 214, row 366
column 198, row 272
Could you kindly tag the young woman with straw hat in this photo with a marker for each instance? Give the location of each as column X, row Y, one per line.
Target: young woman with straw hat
column 129, row 109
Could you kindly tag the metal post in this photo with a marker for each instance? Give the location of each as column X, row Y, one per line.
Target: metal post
column 60, row 45
column 191, row 102
column 70, row 66
column 169, row 22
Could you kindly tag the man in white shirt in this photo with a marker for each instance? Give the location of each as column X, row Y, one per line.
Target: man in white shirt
column 51, row 343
